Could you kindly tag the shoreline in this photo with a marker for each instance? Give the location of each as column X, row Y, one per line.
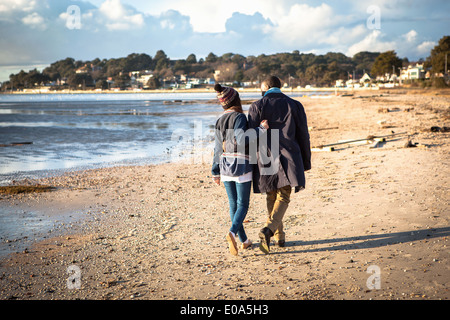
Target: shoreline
column 158, row 231
column 333, row 91
column 181, row 91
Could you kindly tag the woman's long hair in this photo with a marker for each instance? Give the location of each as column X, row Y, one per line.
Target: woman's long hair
column 236, row 106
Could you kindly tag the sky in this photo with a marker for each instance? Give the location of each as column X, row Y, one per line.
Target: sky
column 35, row 33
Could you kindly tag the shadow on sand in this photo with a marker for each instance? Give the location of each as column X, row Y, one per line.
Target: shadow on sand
column 366, row 241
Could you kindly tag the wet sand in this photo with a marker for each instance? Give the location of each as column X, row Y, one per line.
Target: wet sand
column 158, row 231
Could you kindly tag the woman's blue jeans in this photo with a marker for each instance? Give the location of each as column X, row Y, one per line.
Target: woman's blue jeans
column 239, row 199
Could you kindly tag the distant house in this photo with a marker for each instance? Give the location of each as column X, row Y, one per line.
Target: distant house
column 134, row 73
column 217, row 75
column 61, row 81
column 88, row 68
column 413, row 72
column 143, row 78
column 84, row 69
column 249, row 83
column 365, row 78
column 339, row 83
column 350, row 83
column 194, row 81
column 183, row 78
column 209, row 81
column 386, row 78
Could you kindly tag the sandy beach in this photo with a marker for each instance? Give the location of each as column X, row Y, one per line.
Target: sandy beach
column 158, row 231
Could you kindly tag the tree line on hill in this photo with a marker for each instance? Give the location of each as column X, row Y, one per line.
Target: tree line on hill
column 295, row 68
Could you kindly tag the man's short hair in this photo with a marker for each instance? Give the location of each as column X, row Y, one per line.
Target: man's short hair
column 273, row 82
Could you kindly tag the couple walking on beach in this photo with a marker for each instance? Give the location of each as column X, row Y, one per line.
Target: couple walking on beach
column 270, row 148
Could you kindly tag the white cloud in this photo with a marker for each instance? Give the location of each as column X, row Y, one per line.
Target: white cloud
column 372, row 42
column 304, row 24
column 207, row 17
column 327, row 26
column 344, row 36
column 406, row 45
column 251, row 25
column 12, row 5
column 174, row 21
column 34, row 20
column 413, row 45
column 167, row 24
column 425, row 47
column 113, row 9
column 127, row 23
column 211, row 16
column 410, row 36
column 317, row 28
column 120, row 17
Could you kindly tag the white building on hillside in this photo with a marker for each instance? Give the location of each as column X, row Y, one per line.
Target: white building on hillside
column 413, row 72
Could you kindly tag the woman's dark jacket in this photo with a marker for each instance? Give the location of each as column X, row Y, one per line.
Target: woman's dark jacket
column 232, row 144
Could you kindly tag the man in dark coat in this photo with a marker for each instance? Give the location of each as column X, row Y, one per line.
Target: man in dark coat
column 282, row 159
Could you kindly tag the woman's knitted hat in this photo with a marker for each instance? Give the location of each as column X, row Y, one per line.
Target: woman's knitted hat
column 226, row 95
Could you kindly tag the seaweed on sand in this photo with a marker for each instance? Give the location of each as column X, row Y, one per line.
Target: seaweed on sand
column 25, row 189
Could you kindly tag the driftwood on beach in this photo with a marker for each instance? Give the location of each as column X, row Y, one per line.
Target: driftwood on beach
column 329, row 147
